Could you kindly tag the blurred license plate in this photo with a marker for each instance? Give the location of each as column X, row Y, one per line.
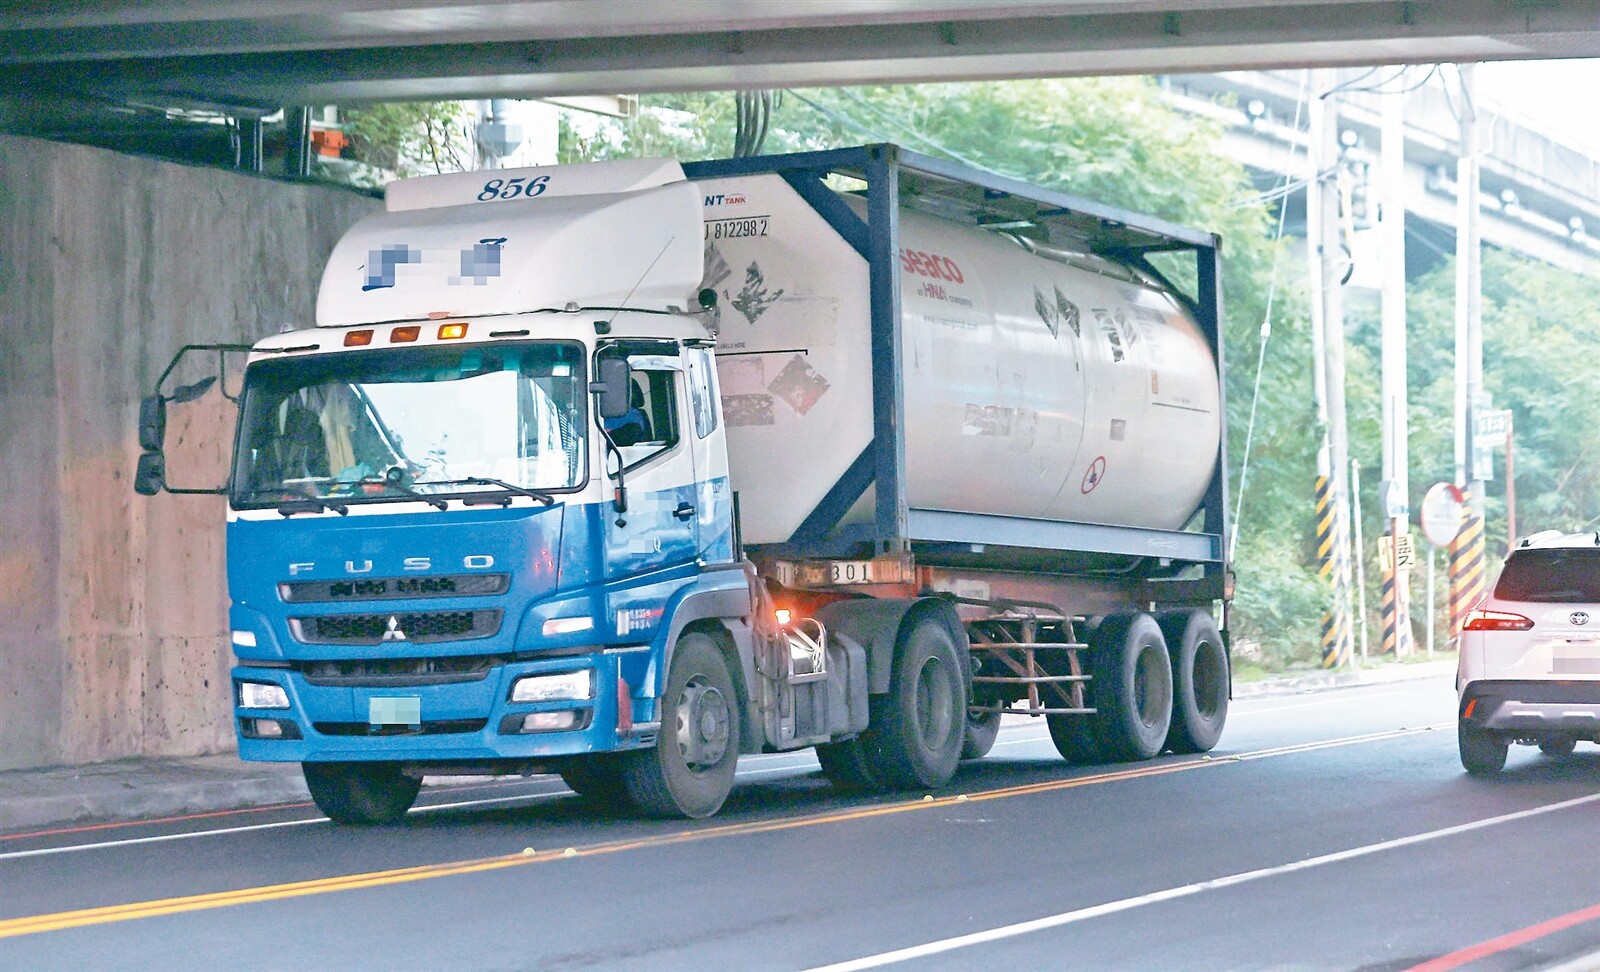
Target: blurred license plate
column 405, row 710
column 1582, row 658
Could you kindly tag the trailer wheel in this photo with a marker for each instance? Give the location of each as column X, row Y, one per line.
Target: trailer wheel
column 1075, row 738
column 690, row 770
column 361, row 793
column 981, row 733
column 916, row 730
column 1483, row 751
column 847, row 766
column 1132, row 687
column 596, row 777
column 1199, row 681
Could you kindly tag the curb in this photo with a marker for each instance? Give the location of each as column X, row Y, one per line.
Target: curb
column 137, row 789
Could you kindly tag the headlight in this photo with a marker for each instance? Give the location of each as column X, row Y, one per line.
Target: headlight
column 565, row 687
column 262, row 695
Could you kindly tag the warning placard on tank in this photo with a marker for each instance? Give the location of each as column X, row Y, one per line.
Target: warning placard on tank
column 799, row 384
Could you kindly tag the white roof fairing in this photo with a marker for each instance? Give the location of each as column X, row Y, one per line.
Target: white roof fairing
column 573, row 244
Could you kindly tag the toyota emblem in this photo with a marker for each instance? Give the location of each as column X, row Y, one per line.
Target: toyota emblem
column 1578, row 617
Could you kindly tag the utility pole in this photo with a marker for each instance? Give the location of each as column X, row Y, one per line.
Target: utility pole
column 1327, row 342
column 1466, row 551
column 1396, row 586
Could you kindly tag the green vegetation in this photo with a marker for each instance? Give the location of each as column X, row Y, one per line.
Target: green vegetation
column 1114, row 140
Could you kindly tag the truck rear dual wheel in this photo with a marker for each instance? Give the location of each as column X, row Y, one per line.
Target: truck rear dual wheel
column 916, row 730
column 361, row 793
column 982, row 731
column 1199, row 681
column 848, row 767
column 1131, row 691
column 689, row 772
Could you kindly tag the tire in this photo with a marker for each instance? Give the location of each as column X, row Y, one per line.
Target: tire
column 361, row 793
column 916, row 730
column 1075, row 738
column 1199, row 681
column 1132, row 688
column 847, row 766
column 1558, row 745
column 689, row 772
column 596, row 777
column 1483, row 751
column 980, row 735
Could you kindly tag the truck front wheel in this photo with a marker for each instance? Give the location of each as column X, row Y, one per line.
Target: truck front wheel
column 690, row 771
column 361, row 793
column 597, row 777
column 916, row 731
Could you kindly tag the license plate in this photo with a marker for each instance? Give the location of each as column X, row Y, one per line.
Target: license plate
column 1582, row 658
column 405, row 710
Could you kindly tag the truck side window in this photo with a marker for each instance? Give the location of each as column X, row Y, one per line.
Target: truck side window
column 651, row 426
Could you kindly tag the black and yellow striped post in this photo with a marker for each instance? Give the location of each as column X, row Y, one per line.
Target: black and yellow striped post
column 1337, row 643
column 1396, row 617
column 1467, row 568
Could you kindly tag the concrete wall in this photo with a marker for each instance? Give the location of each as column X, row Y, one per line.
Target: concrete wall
column 113, row 624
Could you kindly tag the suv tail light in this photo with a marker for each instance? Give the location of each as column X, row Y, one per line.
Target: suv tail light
column 1482, row 620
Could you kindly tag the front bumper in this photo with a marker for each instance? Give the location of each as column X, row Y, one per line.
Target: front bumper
column 464, row 721
column 1534, row 707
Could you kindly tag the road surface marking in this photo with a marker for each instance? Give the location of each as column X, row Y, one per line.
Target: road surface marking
column 1126, row 904
column 58, row 921
column 1508, row 941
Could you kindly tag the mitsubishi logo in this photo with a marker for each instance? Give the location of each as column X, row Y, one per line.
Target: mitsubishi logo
column 1578, row 617
column 393, row 631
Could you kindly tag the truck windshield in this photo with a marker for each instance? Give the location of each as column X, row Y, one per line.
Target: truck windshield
column 389, row 424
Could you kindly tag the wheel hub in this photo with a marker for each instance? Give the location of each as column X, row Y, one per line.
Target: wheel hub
column 703, row 724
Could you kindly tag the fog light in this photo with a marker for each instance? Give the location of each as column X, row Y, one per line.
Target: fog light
column 565, row 687
column 268, row 729
column 262, row 695
column 549, row 721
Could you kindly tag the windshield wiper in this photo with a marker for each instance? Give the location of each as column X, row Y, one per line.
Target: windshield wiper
column 533, row 494
column 312, row 503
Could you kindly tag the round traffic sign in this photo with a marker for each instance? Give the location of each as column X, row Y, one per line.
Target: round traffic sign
column 1441, row 513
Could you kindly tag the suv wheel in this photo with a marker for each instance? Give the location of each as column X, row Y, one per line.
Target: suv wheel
column 1483, row 751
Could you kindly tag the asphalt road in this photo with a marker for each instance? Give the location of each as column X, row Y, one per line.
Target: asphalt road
column 1328, row 831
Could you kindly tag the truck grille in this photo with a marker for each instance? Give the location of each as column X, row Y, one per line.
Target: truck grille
column 397, row 629
column 399, row 672
column 440, row 727
column 393, row 588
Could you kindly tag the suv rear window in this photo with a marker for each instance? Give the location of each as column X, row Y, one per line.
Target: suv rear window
column 1566, row 574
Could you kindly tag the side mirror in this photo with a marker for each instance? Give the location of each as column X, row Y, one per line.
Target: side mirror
column 151, row 476
column 616, row 393
column 152, row 423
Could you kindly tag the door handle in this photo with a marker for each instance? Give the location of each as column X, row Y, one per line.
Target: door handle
column 684, row 511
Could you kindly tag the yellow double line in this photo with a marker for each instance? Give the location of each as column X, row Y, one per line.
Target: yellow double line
column 62, row 920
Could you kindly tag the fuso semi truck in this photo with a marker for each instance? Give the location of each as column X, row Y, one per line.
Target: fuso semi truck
column 622, row 470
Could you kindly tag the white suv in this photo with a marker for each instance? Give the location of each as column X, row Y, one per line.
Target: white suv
column 1529, row 670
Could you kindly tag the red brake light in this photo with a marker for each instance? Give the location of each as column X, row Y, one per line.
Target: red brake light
column 1482, row 620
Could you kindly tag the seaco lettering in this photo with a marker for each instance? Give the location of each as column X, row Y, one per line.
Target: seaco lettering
column 930, row 265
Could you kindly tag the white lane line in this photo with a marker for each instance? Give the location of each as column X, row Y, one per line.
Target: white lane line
column 1126, row 904
column 1234, row 710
